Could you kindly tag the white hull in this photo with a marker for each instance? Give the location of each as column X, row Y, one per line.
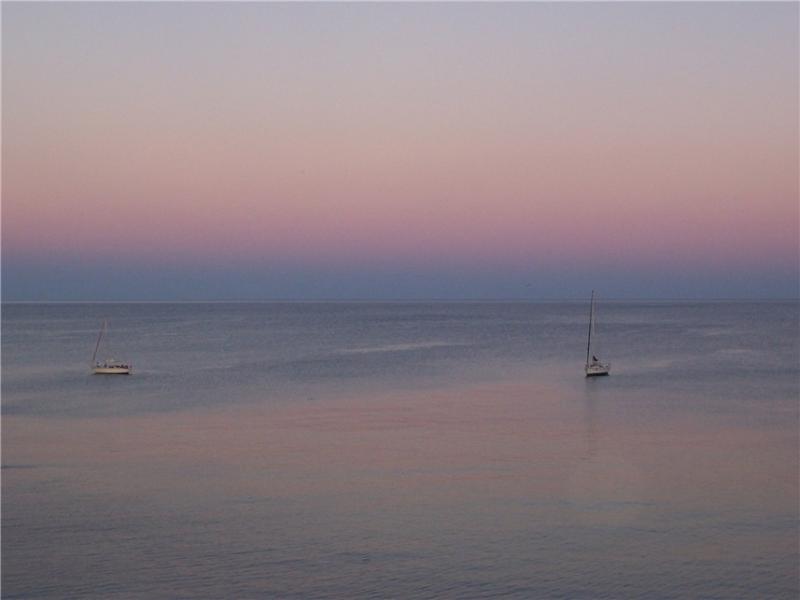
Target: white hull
column 111, row 370
column 597, row 370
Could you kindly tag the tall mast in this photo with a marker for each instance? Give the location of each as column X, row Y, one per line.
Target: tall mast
column 97, row 345
column 591, row 317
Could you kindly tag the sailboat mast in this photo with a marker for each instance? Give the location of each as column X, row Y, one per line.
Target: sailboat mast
column 97, row 345
column 591, row 317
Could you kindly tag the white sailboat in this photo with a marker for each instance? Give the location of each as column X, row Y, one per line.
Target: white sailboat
column 594, row 367
column 110, row 366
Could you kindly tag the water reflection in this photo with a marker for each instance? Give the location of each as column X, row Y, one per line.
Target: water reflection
column 589, row 409
column 488, row 466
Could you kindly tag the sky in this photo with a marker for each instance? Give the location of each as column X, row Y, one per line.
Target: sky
column 265, row 151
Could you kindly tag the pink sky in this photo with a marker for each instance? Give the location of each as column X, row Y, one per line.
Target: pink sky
column 511, row 136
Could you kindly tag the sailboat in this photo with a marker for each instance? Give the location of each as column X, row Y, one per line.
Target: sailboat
column 109, row 366
column 594, row 367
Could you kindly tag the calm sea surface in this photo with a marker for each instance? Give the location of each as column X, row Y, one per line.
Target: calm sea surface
column 316, row 450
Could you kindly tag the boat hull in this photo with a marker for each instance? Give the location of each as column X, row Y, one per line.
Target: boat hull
column 112, row 370
column 597, row 370
column 603, row 374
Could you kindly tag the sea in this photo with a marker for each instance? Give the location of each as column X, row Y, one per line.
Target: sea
column 401, row 450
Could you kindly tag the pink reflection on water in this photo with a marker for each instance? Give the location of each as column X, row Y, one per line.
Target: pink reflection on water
column 479, row 445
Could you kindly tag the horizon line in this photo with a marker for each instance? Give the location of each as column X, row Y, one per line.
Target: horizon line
column 406, row 300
